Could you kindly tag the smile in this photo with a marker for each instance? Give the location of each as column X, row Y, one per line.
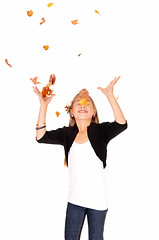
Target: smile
column 82, row 111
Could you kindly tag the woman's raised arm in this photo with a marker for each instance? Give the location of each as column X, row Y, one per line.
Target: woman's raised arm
column 41, row 123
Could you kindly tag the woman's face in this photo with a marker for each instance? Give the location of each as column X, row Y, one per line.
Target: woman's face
column 83, row 112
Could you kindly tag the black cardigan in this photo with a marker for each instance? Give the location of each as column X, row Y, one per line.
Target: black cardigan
column 99, row 135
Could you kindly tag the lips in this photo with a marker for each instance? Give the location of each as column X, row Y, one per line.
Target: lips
column 82, row 111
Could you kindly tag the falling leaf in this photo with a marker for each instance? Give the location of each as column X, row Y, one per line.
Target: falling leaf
column 6, row 60
column 34, row 80
column 57, row 114
column 43, row 20
column 84, row 102
column 117, row 98
column 52, row 80
column 79, row 54
column 46, row 47
column 30, row 13
column 50, row 4
column 97, row 12
column 74, row 22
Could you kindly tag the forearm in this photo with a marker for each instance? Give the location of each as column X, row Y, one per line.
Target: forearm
column 41, row 121
column 118, row 114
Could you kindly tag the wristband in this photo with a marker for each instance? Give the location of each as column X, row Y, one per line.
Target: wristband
column 37, row 128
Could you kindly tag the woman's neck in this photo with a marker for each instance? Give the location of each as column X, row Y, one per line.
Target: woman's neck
column 82, row 125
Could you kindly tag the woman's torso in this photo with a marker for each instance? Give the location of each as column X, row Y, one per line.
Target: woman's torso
column 87, row 185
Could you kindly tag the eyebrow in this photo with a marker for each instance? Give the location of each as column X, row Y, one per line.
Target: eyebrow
column 80, row 100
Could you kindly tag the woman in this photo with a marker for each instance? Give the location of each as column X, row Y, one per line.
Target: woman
column 85, row 143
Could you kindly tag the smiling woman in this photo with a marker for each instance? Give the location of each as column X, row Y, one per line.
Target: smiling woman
column 85, row 143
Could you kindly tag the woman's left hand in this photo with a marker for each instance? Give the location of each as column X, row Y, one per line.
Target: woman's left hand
column 109, row 89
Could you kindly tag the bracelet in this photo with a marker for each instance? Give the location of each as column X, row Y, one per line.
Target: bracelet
column 40, row 124
column 37, row 128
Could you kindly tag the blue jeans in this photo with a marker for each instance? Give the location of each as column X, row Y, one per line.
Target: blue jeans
column 75, row 216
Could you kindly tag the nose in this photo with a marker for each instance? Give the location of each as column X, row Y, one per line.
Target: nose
column 82, row 106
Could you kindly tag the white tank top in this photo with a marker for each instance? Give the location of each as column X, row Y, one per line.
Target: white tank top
column 87, row 179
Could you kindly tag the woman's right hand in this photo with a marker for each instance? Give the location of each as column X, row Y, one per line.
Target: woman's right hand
column 43, row 100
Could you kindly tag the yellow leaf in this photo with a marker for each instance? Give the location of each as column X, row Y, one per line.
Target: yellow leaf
column 50, row 4
column 97, row 12
column 83, row 102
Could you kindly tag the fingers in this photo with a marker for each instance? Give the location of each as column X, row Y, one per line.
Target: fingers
column 116, row 79
column 36, row 90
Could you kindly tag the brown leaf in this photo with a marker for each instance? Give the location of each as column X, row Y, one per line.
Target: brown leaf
column 43, row 20
column 6, row 60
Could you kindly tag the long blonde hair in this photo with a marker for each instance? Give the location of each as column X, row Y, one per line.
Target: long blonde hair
column 72, row 120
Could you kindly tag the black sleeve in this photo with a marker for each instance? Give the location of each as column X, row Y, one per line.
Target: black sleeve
column 53, row 137
column 110, row 130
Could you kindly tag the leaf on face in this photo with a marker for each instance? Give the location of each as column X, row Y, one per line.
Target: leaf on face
column 96, row 11
column 6, row 61
column 74, row 21
column 34, row 80
column 46, row 47
column 42, row 21
column 50, row 4
column 83, row 102
column 30, row 13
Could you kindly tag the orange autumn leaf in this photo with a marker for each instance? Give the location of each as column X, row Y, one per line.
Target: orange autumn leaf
column 30, row 13
column 46, row 47
column 84, row 102
column 57, row 113
column 97, row 12
column 34, row 80
column 43, row 20
column 74, row 22
column 79, row 54
column 6, row 61
column 46, row 91
column 117, row 98
column 67, row 108
column 50, row 4
column 52, row 80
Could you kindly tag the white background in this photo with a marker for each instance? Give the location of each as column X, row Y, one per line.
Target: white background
column 122, row 41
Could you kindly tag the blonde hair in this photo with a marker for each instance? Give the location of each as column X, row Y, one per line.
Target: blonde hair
column 72, row 121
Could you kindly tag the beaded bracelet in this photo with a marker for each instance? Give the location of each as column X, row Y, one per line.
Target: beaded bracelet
column 37, row 128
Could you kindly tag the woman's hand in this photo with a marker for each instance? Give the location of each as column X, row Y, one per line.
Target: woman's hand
column 109, row 89
column 43, row 100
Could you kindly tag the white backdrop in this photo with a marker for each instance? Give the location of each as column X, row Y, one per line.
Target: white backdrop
column 33, row 180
